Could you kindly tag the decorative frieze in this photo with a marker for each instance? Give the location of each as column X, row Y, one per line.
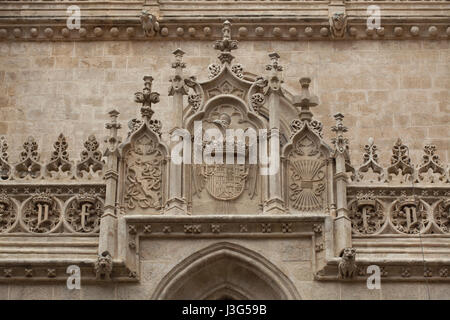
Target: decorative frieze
column 400, row 270
column 431, row 171
column 42, row 210
column 217, row 227
column 185, row 22
column 400, row 211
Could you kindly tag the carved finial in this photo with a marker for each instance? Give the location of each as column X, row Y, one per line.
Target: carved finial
column 305, row 100
column 400, row 161
column 29, row 165
column 370, row 159
column 431, row 165
column 60, row 147
column 340, row 142
column 370, row 149
column 30, row 150
column 339, row 127
column 178, row 84
column 147, row 97
column 274, row 59
column 59, row 160
column 91, row 157
column 275, row 78
column 226, row 44
column 226, row 30
column 178, row 53
column 113, row 127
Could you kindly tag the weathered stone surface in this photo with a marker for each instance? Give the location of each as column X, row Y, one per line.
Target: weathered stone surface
column 358, row 90
column 348, row 193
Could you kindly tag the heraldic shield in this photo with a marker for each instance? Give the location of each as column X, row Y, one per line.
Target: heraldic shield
column 225, row 181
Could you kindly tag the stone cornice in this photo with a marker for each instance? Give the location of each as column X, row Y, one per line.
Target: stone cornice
column 202, row 20
column 432, row 270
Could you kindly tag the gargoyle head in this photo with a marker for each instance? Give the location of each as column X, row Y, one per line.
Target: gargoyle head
column 104, row 260
column 339, row 20
column 348, row 254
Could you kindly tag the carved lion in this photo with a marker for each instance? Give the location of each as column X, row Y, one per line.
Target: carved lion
column 103, row 266
column 149, row 23
column 338, row 24
column 347, row 267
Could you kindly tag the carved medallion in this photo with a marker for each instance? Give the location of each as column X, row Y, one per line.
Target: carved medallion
column 41, row 214
column 409, row 215
column 366, row 214
column 144, row 175
column 8, row 213
column 84, row 212
column 442, row 215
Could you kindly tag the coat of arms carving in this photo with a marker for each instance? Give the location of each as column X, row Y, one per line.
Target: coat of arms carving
column 225, row 182
column 143, row 175
column 307, row 173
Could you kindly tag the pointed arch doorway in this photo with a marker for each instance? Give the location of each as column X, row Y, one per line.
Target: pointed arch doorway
column 225, row 271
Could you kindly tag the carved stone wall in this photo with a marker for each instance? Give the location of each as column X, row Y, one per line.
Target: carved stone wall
column 84, row 80
column 370, row 190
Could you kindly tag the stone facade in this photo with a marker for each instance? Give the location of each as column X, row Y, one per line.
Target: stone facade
column 362, row 119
